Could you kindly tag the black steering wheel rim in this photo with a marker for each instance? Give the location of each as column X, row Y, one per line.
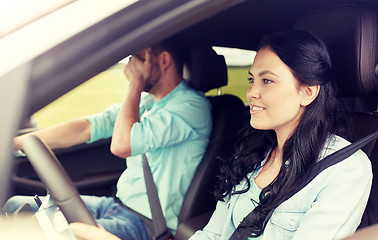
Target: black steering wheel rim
column 56, row 180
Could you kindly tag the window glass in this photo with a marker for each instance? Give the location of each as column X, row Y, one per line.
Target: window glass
column 90, row 97
column 110, row 87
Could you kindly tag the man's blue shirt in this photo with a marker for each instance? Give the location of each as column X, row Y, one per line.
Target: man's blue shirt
column 173, row 133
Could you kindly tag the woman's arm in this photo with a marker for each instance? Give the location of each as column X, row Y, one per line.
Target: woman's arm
column 338, row 208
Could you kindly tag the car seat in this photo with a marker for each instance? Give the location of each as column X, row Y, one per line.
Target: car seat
column 207, row 70
column 204, row 71
column 350, row 33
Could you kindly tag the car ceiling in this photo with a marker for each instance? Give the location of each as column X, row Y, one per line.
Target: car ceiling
column 242, row 26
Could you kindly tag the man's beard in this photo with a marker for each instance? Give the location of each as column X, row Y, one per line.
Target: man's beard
column 153, row 80
column 147, row 87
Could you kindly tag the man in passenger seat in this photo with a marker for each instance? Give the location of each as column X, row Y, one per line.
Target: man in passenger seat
column 171, row 124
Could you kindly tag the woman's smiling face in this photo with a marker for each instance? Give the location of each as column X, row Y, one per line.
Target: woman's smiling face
column 274, row 94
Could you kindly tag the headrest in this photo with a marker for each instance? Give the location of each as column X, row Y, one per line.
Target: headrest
column 350, row 32
column 205, row 69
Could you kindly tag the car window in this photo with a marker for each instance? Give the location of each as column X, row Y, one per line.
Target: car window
column 238, row 63
column 110, row 86
column 91, row 97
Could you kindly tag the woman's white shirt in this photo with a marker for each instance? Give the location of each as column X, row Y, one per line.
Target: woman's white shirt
column 329, row 207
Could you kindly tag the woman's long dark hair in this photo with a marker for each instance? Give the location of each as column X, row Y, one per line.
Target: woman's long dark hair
column 308, row 59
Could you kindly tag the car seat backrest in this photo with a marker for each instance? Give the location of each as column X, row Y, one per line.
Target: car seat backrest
column 228, row 119
column 207, row 71
column 350, row 33
column 365, row 123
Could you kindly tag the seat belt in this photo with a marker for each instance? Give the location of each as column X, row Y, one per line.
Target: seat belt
column 242, row 232
column 160, row 229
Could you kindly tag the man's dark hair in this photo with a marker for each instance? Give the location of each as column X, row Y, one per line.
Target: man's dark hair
column 178, row 49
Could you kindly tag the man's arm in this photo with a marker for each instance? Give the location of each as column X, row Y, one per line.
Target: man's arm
column 127, row 116
column 137, row 72
column 63, row 135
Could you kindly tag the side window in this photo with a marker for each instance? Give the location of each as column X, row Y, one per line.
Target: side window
column 91, row 97
column 110, row 87
column 238, row 63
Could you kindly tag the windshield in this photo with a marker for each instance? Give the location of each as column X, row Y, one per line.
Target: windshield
column 27, row 30
column 17, row 13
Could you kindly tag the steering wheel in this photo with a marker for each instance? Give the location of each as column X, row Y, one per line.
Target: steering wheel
column 57, row 181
